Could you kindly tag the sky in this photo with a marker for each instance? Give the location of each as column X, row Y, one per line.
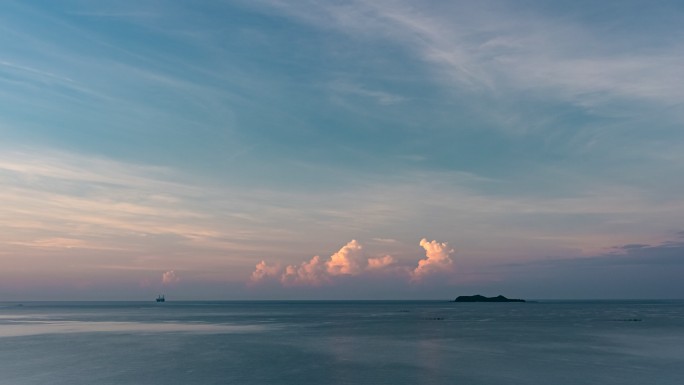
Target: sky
column 265, row 149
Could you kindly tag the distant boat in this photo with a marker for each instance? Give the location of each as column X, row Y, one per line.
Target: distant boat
column 161, row 298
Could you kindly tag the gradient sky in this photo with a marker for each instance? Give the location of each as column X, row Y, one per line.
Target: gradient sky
column 341, row 149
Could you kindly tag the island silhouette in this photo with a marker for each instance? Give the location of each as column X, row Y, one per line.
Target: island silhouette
column 481, row 298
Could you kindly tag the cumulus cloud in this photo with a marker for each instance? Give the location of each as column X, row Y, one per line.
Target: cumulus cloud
column 350, row 261
column 311, row 272
column 346, row 260
column 170, row 277
column 436, row 259
column 380, row 263
column 263, row 271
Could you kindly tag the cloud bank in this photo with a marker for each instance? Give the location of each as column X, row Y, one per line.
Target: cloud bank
column 350, row 260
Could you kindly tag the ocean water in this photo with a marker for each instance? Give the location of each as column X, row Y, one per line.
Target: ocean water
column 355, row 342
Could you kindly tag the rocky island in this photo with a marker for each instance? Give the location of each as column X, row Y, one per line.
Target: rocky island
column 481, row 298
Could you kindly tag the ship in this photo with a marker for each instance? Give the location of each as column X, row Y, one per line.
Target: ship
column 161, row 298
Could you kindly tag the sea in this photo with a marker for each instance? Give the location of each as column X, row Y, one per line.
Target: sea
column 342, row 342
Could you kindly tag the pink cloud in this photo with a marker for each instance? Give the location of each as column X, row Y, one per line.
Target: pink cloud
column 170, row 277
column 317, row 271
column 264, row 271
column 349, row 260
column 436, row 259
column 380, row 263
column 346, row 260
column 311, row 273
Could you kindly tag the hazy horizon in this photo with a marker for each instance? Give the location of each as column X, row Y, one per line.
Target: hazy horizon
column 286, row 298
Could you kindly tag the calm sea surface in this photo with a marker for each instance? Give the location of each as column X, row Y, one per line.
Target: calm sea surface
column 356, row 342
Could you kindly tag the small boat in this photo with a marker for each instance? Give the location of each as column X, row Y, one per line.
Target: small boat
column 161, row 298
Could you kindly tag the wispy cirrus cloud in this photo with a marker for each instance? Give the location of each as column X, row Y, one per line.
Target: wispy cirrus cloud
column 500, row 51
column 63, row 187
column 352, row 90
column 73, row 205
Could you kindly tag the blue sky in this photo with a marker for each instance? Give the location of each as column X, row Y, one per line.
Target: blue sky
column 268, row 149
